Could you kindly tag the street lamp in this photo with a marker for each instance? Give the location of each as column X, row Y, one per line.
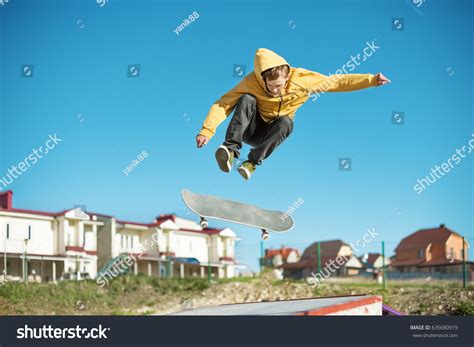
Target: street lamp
column 25, row 263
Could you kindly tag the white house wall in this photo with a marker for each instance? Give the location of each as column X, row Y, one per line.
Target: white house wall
column 292, row 257
column 42, row 235
column 190, row 245
column 379, row 262
column 90, row 237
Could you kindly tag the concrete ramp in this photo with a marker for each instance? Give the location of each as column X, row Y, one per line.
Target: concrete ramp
column 355, row 305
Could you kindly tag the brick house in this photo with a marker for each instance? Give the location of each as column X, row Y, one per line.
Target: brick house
column 427, row 248
column 337, row 259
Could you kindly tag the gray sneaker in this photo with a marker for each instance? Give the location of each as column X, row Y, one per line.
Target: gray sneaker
column 224, row 158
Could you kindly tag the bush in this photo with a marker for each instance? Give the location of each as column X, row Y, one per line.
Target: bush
column 464, row 308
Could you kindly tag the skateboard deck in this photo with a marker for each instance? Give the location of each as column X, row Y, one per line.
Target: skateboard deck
column 207, row 206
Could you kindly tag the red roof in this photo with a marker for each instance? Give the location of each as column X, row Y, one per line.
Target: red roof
column 41, row 213
column 284, row 252
column 422, row 238
column 148, row 225
column 165, row 217
column 208, row 231
column 328, row 249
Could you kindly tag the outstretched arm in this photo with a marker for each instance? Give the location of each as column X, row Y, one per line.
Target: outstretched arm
column 318, row 83
column 220, row 110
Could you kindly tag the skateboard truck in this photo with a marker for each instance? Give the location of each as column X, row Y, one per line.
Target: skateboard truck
column 265, row 235
column 203, row 223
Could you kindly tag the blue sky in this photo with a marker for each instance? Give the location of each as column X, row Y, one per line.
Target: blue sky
column 80, row 91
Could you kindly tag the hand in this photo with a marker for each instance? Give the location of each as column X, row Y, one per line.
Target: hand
column 201, row 140
column 381, row 79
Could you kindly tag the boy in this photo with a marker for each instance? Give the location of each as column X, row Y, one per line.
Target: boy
column 265, row 103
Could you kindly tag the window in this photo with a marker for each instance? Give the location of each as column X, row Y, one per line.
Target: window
column 420, row 253
column 29, row 232
column 121, row 241
column 131, row 241
column 8, row 231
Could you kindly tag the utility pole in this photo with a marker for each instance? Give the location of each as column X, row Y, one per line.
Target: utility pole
column 319, row 256
column 25, row 262
column 209, row 261
column 167, row 254
column 383, row 264
column 464, row 256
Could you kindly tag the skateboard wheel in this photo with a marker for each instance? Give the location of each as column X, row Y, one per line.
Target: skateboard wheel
column 203, row 223
column 265, row 235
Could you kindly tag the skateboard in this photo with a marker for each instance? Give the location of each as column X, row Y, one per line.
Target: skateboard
column 206, row 206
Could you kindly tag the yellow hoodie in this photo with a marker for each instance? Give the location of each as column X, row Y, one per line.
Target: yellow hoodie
column 301, row 84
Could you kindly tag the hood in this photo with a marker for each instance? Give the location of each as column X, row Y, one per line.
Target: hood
column 266, row 59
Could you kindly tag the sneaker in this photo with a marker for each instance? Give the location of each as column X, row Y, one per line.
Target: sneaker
column 224, row 158
column 246, row 169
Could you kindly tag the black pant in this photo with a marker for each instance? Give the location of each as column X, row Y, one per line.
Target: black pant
column 248, row 126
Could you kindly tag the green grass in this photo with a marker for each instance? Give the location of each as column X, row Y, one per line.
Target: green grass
column 122, row 295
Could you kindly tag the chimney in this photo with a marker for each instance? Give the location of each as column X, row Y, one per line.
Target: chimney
column 6, row 200
column 442, row 225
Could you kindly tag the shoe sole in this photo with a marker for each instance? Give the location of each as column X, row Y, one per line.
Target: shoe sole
column 244, row 172
column 222, row 157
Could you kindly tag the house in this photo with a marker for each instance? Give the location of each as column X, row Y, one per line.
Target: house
column 74, row 244
column 373, row 262
column 169, row 246
column 277, row 257
column 426, row 248
column 336, row 257
column 45, row 246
